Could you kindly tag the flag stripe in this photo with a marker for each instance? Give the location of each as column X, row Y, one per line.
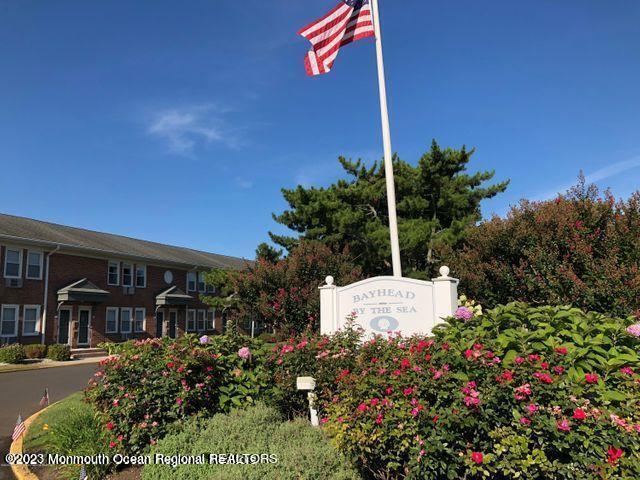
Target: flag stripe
column 341, row 26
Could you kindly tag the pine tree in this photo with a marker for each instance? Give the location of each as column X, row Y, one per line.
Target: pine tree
column 436, row 202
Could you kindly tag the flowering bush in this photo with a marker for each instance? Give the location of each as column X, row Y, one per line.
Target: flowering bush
column 465, row 404
column 156, row 382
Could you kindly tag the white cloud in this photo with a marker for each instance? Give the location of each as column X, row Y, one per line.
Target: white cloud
column 594, row 177
column 244, row 183
column 184, row 128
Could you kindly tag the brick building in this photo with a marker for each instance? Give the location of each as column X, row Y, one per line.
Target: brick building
column 69, row 285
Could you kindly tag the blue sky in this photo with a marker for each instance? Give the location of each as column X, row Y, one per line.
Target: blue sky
column 179, row 122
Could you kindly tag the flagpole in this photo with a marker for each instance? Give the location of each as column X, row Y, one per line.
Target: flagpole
column 386, row 140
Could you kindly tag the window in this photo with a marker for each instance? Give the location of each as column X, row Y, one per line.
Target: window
column 9, row 321
column 31, row 320
column 114, row 273
column 211, row 319
column 191, row 281
column 13, row 263
column 112, row 320
column 139, row 323
column 125, row 320
column 34, row 265
column 201, row 285
column 211, row 289
column 141, row 276
column 191, row 320
column 127, row 275
column 202, row 320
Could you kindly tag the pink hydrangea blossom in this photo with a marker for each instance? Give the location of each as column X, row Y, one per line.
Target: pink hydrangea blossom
column 244, row 353
column 205, row 339
column 463, row 313
column 634, row 329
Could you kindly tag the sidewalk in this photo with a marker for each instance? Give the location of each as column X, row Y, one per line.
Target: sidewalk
column 7, row 367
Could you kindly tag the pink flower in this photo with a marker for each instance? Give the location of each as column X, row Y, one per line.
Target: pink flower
column 112, row 444
column 302, row 344
column 379, row 419
column 204, row 339
column 558, row 370
column 519, row 360
column 389, row 390
column 591, row 377
column 579, row 414
column 463, row 313
column 110, row 426
column 286, row 349
column 374, row 402
column 533, row 408
column 408, row 391
column 244, row 353
column 634, row 330
column 477, row 457
column 362, row 407
column 525, row 421
column 179, row 401
column 563, row 425
column 543, row 377
column 613, row 455
column 561, row 350
column 627, row 371
column 522, row 392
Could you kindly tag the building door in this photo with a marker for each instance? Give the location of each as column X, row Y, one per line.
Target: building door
column 173, row 323
column 84, row 323
column 64, row 320
column 159, row 323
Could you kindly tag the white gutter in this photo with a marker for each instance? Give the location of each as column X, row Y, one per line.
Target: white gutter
column 46, row 297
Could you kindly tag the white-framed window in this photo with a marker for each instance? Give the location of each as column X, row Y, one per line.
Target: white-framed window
column 211, row 288
column 202, row 320
column 113, row 275
column 111, row 324
column 30, row 320
column 139, row 320
column 191, row 320
column 141, row 276
column 211, row 319
column 9, row 320
column 191, row 281
column 202, row 287
column 125, row 320
column 34, row 264
column 12, row 262
column 127, row 275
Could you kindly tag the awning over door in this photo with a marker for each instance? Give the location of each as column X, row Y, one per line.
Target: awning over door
column 173, row 296
column 82, row 291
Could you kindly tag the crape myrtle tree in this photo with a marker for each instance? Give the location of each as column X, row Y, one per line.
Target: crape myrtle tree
column 282, row 292
column 437, row 200
column 581, row 248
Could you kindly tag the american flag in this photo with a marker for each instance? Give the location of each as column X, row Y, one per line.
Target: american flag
column 351, row 20
column 45, row 398
column 19, row 428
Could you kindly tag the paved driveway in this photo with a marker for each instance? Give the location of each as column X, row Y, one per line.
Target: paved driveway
column 20, row 392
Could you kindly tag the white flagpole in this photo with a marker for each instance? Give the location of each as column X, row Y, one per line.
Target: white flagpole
column 386, row 140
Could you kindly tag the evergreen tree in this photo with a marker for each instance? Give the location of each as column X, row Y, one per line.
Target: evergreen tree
column 436, row 202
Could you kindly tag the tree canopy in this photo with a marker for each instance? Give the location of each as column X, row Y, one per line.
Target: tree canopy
column 436, row 201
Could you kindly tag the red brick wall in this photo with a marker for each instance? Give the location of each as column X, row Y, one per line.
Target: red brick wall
column 66, row 269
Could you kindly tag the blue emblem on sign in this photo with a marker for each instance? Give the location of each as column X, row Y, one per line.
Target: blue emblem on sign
column 384, row 324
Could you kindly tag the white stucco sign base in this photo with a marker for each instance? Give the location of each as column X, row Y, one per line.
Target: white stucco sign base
column 384, row 304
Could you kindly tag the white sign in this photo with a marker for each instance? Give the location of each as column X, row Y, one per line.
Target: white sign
column 389, row 304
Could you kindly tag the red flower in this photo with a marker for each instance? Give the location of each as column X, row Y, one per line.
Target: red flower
column 543, row 377
column 562, row 350
column 110, row 426
column 525, row 421
column 558, row 370
column 579, row 414
column 405, row 363
column 408, row 391
column 613, row 455
column 477, row 457
column 362, row 407
column 591, row 377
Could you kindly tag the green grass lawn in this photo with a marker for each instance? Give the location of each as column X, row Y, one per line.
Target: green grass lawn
column 68, row 428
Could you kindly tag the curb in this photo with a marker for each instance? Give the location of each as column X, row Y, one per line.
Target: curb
column 39, row 366
column 20, row 470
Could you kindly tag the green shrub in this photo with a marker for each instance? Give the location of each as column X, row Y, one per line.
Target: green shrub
column 267, row 337
column 155, row 382
column 553, row 392
column 298, row 450
column 12, row 353
column 59, row 352
column 35, row 350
